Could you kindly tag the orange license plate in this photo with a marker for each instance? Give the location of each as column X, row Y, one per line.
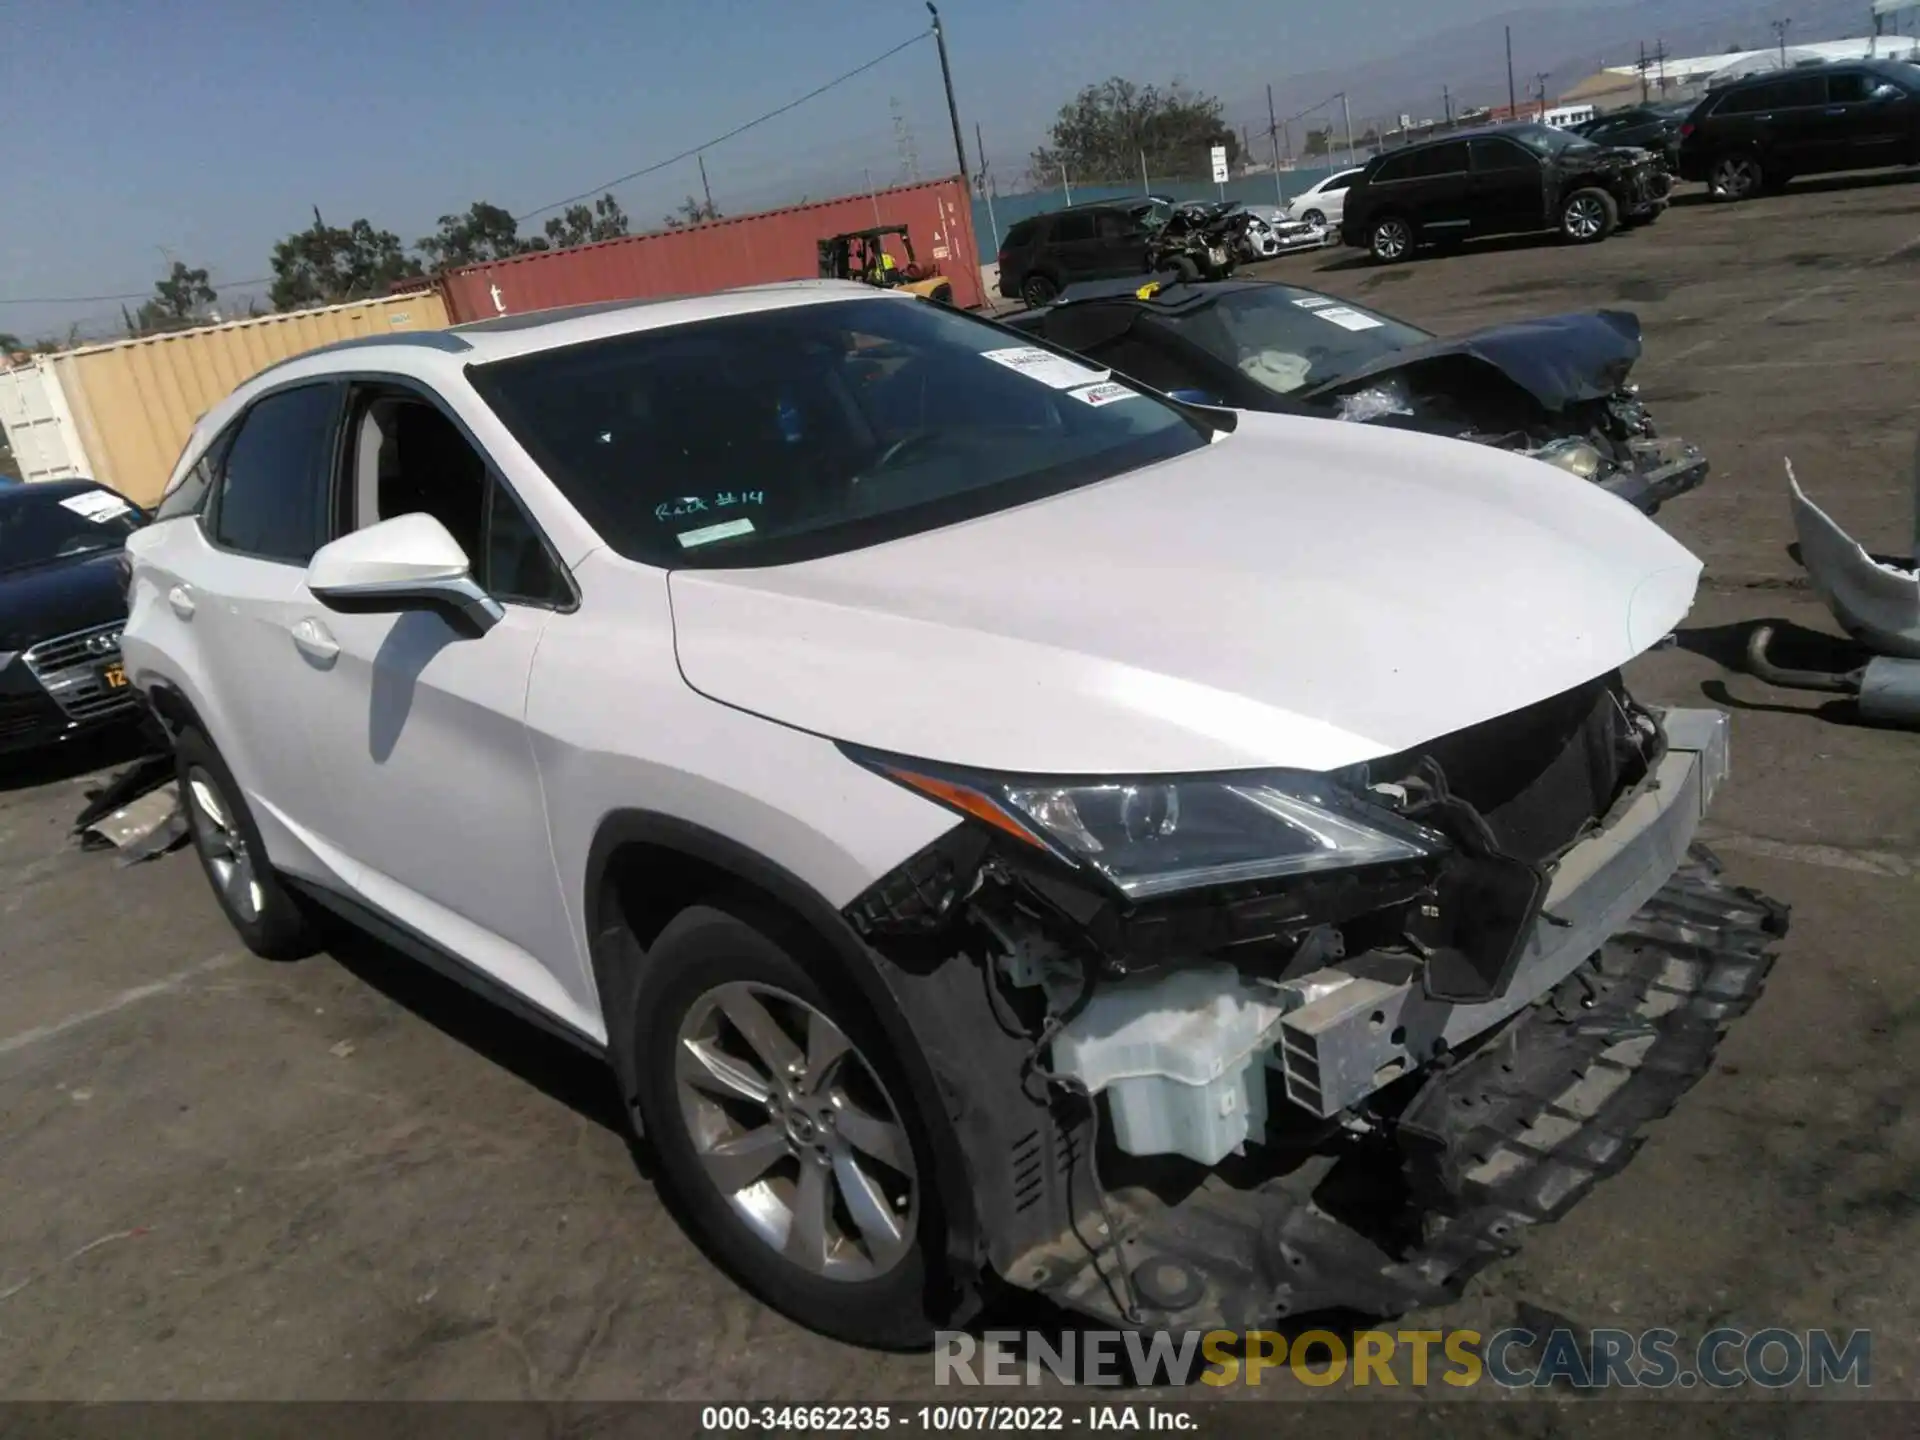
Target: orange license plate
column 115, row 676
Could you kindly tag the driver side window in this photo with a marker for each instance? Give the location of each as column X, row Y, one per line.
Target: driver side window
column 407, row 457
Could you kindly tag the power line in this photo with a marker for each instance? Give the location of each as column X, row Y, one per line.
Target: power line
column 556, row 205
column 146, row 294
column 605, row 186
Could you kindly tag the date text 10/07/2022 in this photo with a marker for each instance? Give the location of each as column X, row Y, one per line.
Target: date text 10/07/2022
column 919, row 1419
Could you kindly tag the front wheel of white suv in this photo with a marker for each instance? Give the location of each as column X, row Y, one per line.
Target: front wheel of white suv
column 786, row 1139
column 265, row 914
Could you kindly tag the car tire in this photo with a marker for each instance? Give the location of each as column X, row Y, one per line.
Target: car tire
column 1589, row 216
column 1315, row 217
column 1737, row 175
column 1390, row 239
column 701, row 1051
column 1184, row 270
column 262, row 911
column 1038, row 290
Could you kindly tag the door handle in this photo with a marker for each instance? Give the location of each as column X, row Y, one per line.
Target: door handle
column 1837, row 110
column 180, row 601
column 312, row 639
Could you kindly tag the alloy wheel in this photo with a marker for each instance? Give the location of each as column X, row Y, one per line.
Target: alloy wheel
column 221, row 844
column 1736, row 176
column 1314, row 217
column 791, row 1124
column 1585, row 217
column 1391, row 239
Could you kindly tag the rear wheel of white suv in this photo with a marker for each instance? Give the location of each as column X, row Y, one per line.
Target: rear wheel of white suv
column 261, row 909
column 784, row 1133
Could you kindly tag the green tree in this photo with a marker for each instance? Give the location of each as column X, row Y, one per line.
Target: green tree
column 1319, row 141
column 485, row 232
column 692, row 211
column 9, row 343
column 1103, row 131
column 180, row 300
column 581, row 226
column 329, row 265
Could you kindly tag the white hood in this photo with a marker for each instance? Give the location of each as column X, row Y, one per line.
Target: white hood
column 1303, row 593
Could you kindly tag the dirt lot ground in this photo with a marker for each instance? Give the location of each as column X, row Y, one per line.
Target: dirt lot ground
column 222, row 1178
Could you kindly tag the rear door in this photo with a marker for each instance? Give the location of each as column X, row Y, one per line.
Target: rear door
column 1509, row 188
column 1122, row 242
column 1073, row 247
column 222, row 597
column 1441, row 191
column 1797, row 131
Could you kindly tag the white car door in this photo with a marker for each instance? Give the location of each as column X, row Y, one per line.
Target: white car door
column 419, row 729
column 218, row 595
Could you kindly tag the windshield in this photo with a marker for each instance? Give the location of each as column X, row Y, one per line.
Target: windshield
column 36, row 526
column 819, row 428
column 1152, row 213
column 1288, row 339
column 1545, row 140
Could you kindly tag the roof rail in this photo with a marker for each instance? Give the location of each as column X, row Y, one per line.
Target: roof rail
column 442, row 340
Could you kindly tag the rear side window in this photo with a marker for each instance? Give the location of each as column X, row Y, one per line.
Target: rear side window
column 1394, row 167
column 1021, row 235
column 1489, row 155
column 273, row 497
column 1068, row 228
column 1115, row 226
column 1448, row 159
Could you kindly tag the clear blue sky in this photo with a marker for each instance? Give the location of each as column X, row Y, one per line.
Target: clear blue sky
column 207, row 129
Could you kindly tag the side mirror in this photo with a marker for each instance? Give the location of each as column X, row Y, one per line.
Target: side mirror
column 407, row 563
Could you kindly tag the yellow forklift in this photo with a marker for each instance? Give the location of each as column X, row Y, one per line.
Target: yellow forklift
column 862, row 255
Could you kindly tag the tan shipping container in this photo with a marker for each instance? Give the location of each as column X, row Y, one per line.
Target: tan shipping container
column 134, row 402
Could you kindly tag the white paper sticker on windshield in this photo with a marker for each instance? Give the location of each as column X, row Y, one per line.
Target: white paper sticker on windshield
column 1314, row 302
column 97, row 505
column 1104, row 393
column 1045, row 366
column 1348, row 319
column 707, row 534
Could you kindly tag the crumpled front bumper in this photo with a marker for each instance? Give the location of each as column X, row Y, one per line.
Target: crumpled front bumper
column 1363, row 1034
column 1662, row 470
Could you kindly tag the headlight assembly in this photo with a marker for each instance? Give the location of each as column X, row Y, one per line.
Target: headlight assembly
column 1576, row 457
column 1156, row 836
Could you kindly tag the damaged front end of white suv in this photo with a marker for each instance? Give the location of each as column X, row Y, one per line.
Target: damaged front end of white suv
column 1348, row 1081
column 1200, row 1090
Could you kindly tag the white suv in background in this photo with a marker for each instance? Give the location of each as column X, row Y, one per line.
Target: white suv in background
column 1324, row 202
column 952, row 787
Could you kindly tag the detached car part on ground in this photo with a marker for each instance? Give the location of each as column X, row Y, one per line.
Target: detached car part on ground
column 62, row 603
column 1555, row 388
column 1509, row 180
column 1877, row 602
column 1194, row 952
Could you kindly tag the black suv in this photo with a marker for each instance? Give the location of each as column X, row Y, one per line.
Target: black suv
column 1504, row 181
column 1653, row 127
column 1756, row 134
column 1042, row 256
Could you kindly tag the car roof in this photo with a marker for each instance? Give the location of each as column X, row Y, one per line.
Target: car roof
column 54, row 488
column 1816, row 67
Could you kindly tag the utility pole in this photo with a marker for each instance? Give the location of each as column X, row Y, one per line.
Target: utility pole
column 1273, row 138
column 1146, row 185
column 986, row 186
column 1346, row 117
column 1540, row 80
column 1643, row 72
column 1446, row 103
column 946, row 74
column 704, row 186
column 1513, row 100
column 1780, row 28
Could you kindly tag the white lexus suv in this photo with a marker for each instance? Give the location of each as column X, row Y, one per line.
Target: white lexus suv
column 1002, row 826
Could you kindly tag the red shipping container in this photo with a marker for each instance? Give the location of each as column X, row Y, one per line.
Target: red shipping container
column 722, row 254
